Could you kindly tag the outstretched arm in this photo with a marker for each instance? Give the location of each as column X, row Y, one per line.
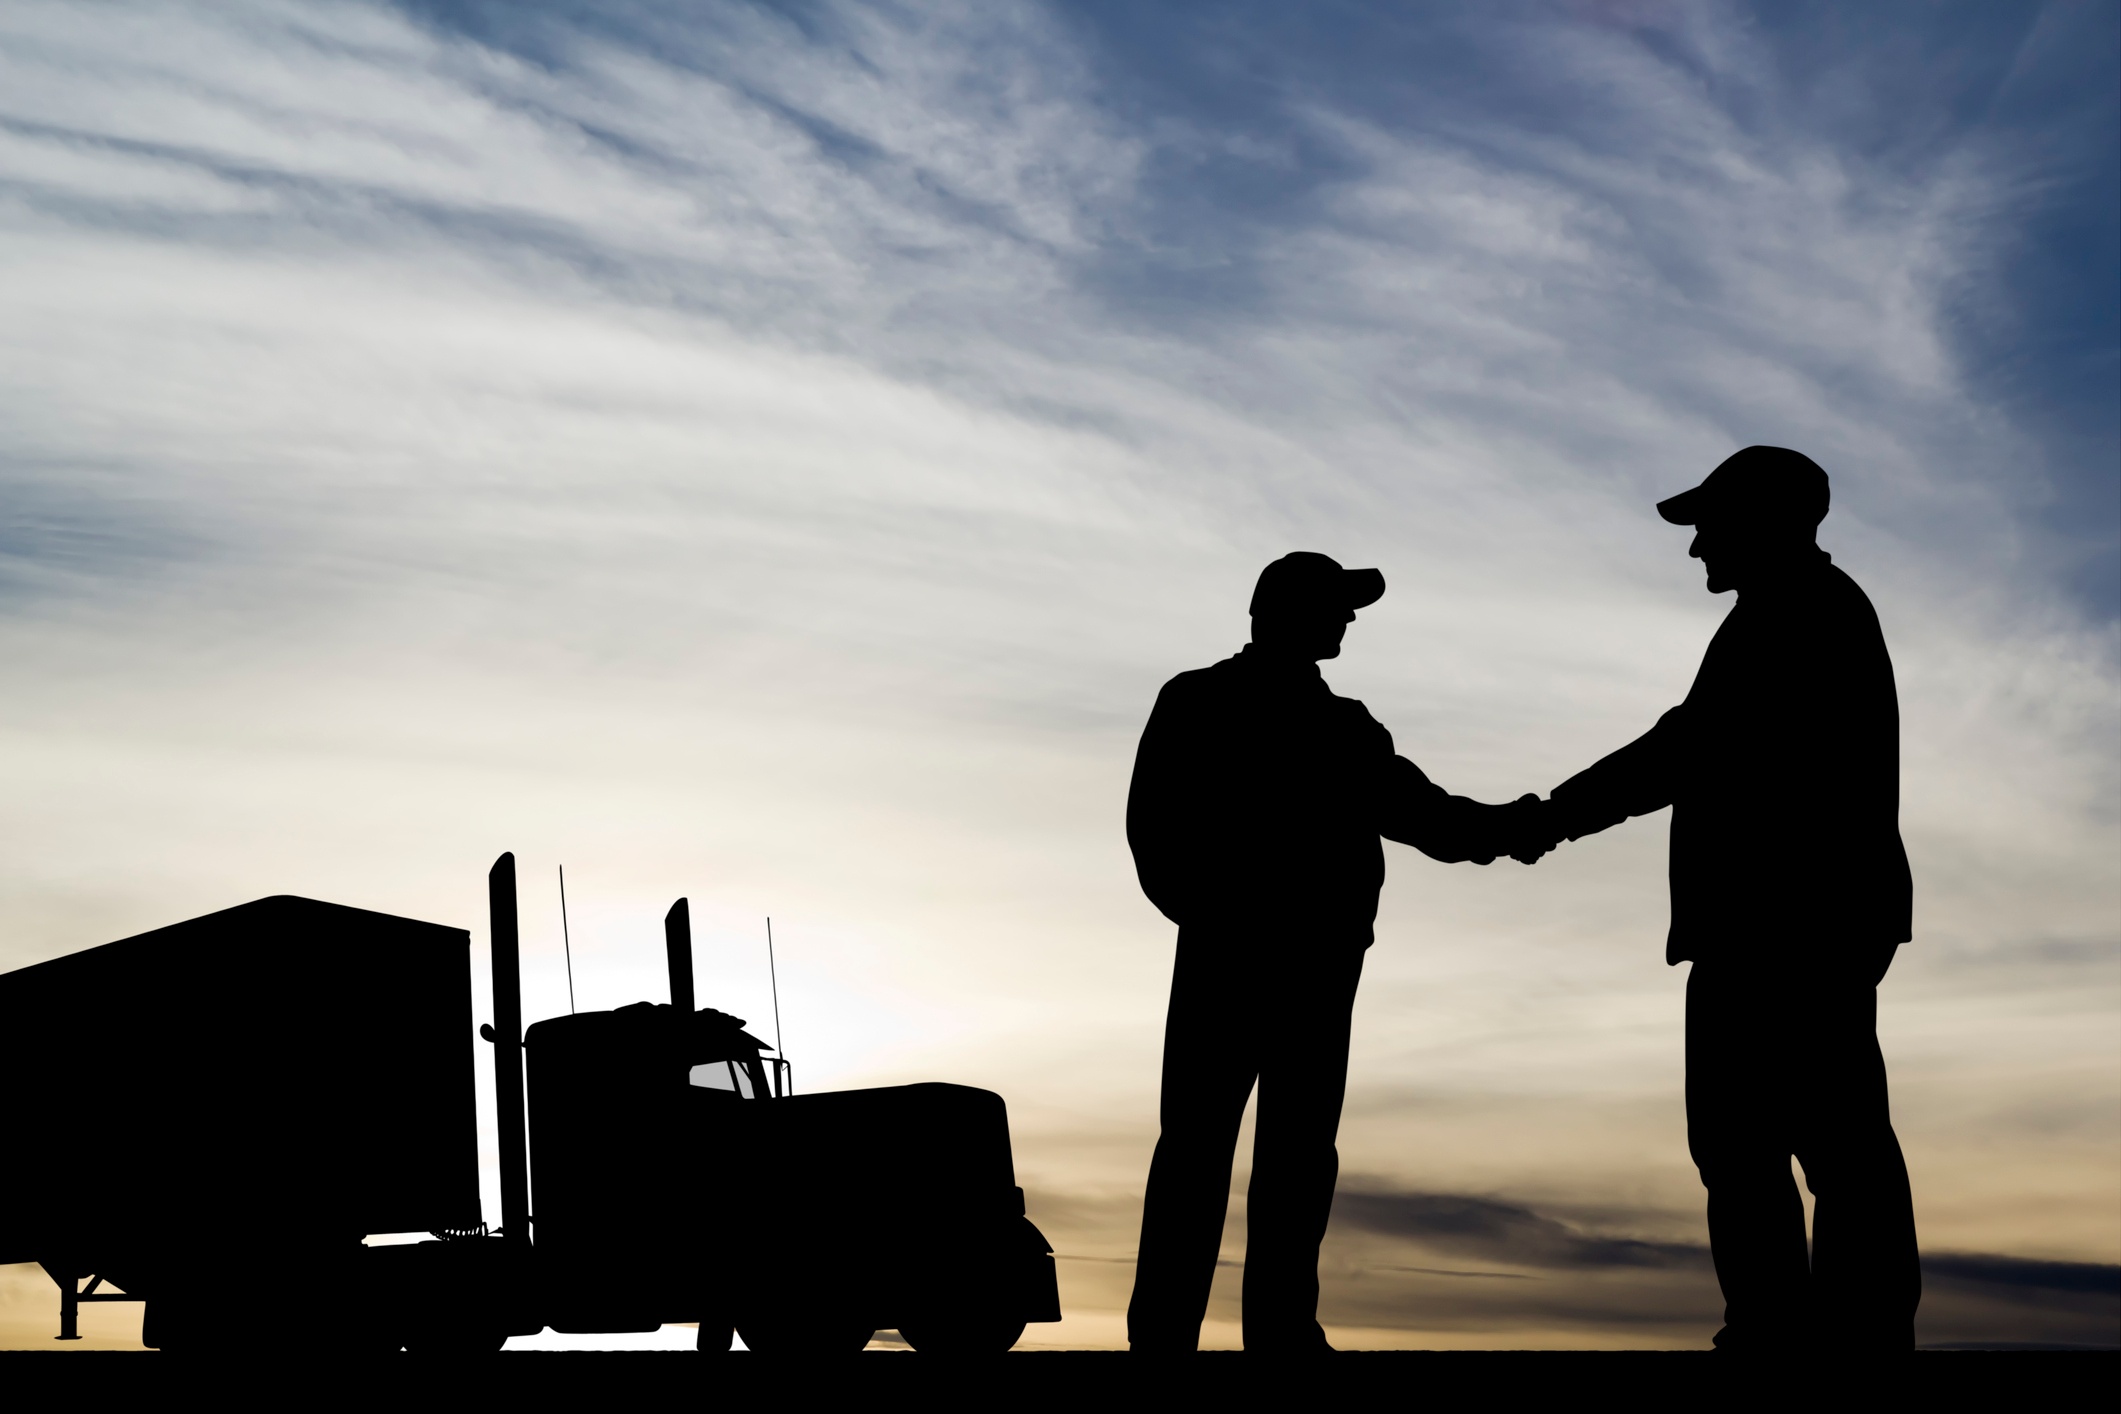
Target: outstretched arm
column 1446, row 827
column 1635, row 780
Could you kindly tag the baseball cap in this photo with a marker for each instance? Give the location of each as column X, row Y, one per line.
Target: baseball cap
column 1309, row 581
column 1760, row 485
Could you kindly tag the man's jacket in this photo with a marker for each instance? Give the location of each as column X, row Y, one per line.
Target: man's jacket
column 1259, row 798
column 1782, row 768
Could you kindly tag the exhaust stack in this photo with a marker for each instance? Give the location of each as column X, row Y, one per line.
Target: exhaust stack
column 677, row 943
column 507, row 1041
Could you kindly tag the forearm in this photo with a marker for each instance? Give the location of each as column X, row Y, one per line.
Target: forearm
column 1451, row 829
column 1635, row 780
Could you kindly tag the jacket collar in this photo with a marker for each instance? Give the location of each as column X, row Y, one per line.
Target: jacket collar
column 1279, row 667
column 1797, row 570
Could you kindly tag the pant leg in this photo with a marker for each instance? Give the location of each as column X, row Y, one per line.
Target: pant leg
column 1211, row 1038
column 1866, row 1272
column 1295, row 1165
column 1739, row 1130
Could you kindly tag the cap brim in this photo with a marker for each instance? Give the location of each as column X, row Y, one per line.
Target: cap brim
column 1684, row 508
column 1364, row 587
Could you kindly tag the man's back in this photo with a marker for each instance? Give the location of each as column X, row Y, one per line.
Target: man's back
column 1783, row 770
column 1786, row 811
column 1255, row 796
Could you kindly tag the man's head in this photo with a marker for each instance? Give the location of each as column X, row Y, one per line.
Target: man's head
column 1304, row 602
column 1760, row 508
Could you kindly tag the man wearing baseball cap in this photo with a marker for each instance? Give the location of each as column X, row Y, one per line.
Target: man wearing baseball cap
column 1258, row 803
column 1790, row 894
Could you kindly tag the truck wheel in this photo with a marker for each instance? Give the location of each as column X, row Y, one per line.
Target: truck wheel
column 155, row 1324
column 966, row 1335
column 781, row 1336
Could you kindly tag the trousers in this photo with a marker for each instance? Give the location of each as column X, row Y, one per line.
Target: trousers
column 1782, row 1061
column 1246, row 1009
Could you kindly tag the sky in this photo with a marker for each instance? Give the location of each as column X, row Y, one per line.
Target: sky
column 773, row 454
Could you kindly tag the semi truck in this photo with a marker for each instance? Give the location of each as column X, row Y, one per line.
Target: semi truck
column 216, row 1118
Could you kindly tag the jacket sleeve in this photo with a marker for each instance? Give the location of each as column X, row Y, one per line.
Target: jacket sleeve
column 1449, row 828
column 1635, row 780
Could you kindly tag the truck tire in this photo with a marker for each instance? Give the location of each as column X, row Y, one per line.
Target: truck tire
column 964, row 1335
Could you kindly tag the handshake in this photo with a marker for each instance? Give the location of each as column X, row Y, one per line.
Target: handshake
column 1525, row 829
column 1455, row 829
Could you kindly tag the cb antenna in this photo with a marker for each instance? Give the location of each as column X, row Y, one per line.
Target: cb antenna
column 773, row 976
column 566, row 942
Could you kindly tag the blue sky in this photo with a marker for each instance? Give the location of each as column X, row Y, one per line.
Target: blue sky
column 1904, row 94
column 774, row 454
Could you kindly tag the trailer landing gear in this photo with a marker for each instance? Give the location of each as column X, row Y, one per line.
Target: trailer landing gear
column 71, row 1295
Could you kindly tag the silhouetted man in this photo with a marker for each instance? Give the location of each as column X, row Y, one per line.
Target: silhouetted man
column 1257, row 805
column 1790, row 893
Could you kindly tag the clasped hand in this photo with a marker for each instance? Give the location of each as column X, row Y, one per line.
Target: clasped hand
column 1529, row 829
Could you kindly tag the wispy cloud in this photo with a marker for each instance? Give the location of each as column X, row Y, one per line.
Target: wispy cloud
column 1501, row 1231
column 775, row 452
column 2018, row 1274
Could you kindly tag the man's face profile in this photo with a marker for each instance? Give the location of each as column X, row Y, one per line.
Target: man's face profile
column 1715, row 546
column 1732, row 550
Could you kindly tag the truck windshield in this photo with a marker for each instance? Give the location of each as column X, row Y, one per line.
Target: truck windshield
column 723, row 1075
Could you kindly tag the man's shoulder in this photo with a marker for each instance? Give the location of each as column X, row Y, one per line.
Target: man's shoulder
column 1821, row 594
column 1199, row 687
column 1816, row 629
column 1352, row 705
column 1832, row 603
column 1839, row 588
column 1232, row 676
column 1218, row 676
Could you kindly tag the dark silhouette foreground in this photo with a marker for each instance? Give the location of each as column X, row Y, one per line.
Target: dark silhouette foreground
column 1258, row 803
column 1790, row 895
